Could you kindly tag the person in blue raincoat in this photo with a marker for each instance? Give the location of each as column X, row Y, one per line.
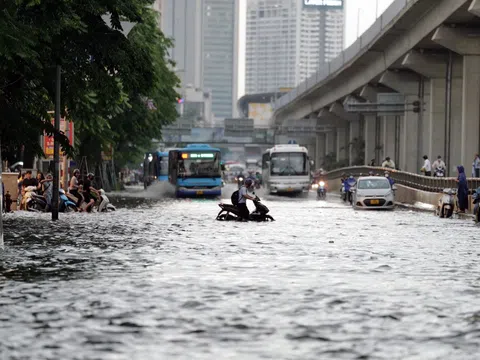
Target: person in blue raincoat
column 348, row 184
column 390, row 180
column 462, row 192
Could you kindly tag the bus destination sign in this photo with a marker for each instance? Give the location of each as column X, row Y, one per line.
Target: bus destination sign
column 324, row 4
column 199, row 155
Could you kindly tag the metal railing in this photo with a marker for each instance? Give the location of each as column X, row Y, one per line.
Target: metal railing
column 415, row 181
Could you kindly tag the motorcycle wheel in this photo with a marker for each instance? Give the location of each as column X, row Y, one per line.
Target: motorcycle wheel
column 268, row 217
column 449, row 213
column 70, row 208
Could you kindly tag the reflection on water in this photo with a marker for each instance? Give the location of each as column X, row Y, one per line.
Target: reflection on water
column 161, row 279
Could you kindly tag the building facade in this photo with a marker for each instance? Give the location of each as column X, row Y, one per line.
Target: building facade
column 205, row 34
column 287, row 41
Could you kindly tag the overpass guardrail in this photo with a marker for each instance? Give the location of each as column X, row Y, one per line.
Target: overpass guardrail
column 415, row 181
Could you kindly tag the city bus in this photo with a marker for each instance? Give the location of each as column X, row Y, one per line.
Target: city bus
column 286, row 169
column 195, row 171
column 155, row 167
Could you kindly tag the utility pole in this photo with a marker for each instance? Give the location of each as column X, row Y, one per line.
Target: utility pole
column 56, row 144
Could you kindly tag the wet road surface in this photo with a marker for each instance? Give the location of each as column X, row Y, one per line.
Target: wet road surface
column 161, row 279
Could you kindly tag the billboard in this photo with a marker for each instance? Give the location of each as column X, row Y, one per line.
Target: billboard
column 260, row 113
column 324, row 4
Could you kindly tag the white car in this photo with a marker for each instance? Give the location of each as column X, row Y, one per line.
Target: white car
column 374, row 192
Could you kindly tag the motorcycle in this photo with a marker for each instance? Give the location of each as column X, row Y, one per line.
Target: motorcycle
column 231, row 212
column 440, row 172
column 321, row 190
column 66, row 205
column 239, row 181
column 446, row 203
column 33, row 201
column 347, row 189
column 102, row 203
column 476, row 205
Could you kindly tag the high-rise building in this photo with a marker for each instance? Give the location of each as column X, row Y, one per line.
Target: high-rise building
column 205, row 33
column 287, row 41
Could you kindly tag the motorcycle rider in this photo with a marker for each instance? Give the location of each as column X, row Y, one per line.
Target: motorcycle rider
column 73, row 186
column 438, row 166
column 242, row 199
column 388, row 163
column 87, row 189
column 349, row 183
column 390, row 180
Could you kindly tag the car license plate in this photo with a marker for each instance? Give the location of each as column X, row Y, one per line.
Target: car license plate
column 375, row 202
column 199, row 192
column 289, row 189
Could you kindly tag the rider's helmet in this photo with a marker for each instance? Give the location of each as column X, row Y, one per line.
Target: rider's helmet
column 351, row 176
column 387, row 174
column 248, row 182
column 90, row 175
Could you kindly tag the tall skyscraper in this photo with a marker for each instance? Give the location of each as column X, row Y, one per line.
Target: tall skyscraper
column 205, row 33
column 287, row 41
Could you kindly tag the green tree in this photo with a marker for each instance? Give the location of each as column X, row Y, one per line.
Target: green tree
column 105, row 75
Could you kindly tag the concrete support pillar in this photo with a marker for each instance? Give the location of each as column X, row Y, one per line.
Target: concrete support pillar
column 320, row 150
column 330, row 138
column 355, row 139
column 471, row 109
column 342, row 144
column 388, row 137
column 456, row 139
column 436, row 119
column 369, row 137
column 409, row 141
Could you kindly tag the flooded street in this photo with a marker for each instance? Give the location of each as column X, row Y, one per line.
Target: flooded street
column 162, row 279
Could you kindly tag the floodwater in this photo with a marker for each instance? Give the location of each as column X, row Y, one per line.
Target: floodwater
column 161, row 279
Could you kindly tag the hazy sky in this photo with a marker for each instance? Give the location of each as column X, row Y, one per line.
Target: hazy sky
column 355, row 9
column 367, row 9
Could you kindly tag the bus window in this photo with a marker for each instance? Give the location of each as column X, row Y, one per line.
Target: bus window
column 289, row 164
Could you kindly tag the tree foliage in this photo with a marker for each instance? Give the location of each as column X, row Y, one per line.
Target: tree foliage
column 106, row 77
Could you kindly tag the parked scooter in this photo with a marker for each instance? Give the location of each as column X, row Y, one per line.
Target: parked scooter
column 446, row 203
column 33, row 201
column 321, row 191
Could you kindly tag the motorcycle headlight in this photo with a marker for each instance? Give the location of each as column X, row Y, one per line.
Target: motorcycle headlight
column 322, row 183
column 240, row 179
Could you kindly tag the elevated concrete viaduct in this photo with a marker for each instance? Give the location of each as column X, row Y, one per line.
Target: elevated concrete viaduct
column 425, row 51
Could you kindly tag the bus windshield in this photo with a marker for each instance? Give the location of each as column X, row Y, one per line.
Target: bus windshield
column 163, row 165
column 199, row 167
column 285, row 164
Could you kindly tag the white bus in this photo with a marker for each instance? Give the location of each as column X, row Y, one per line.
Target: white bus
column 286, row 169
